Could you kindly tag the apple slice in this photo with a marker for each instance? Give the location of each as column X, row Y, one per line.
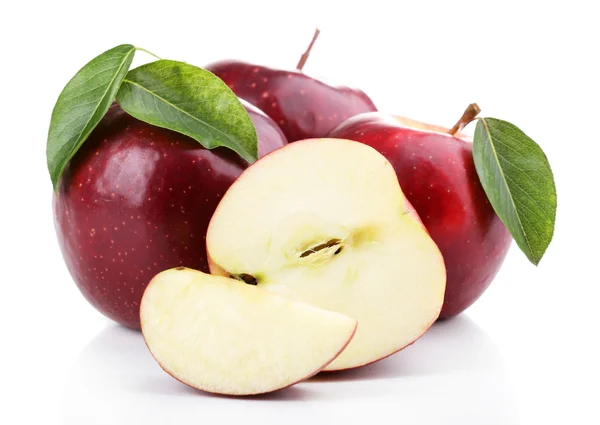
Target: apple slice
column 325, row 221
column 223, row 336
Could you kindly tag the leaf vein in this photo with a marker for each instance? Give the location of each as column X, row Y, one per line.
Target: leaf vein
column 491, row 144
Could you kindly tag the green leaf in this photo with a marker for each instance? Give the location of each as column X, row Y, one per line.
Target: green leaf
column 518, row 181
column 192, row 101
column 82, row 104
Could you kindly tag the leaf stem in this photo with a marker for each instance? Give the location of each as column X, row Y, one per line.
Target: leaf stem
column 469, row 115
column 304, row 56
column 141, row 49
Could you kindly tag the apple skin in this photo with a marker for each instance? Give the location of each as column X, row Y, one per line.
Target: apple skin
column 136, row 200
column 270, row 136
column 438, row 176
column 304, row 107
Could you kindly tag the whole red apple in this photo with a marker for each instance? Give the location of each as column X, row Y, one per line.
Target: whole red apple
column 137, row 199
column 437, row 174
column 304, row 107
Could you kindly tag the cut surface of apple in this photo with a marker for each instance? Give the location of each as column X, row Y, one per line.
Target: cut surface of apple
column 325, row 221
column 223, row 336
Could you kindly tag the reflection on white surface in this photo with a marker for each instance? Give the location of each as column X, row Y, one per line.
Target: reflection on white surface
column 452, row 375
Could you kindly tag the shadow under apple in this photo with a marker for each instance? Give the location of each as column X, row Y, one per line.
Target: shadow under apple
column 454, row 365
column 449, row 346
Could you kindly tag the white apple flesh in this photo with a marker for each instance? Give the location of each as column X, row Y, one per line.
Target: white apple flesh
column 223, row 336
column 325, row 221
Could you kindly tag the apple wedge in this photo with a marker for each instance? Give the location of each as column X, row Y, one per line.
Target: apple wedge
column 223, row 336
column 325, row 221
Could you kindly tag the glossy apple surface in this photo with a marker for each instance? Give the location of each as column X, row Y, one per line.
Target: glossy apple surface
column 437, row 174
column 136, row 200
column 302, row 106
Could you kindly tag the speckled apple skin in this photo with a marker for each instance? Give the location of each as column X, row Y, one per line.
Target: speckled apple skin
column 136, row 200
column 438, row 176
column 303, row 107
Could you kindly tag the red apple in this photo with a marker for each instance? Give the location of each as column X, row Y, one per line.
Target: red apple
column 269, row 134
column 304, row 107
column 436, row 172
column 136, row 200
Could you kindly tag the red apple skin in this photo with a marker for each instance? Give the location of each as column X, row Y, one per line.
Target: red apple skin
column 438, row 176
column 270, row 136
column 136, row 200
column 302, row 106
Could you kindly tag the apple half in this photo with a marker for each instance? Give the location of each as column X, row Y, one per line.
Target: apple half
column 324, row 221
column 223, row 336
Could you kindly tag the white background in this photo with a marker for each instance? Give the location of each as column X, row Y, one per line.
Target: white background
column 527, row 352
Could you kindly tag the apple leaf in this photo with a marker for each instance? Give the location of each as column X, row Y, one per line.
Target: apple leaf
column 518, row 181
column 82, row 104
column 192, row 101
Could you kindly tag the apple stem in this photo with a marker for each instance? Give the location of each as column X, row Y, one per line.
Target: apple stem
column 304, row 57
column 469, row 115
